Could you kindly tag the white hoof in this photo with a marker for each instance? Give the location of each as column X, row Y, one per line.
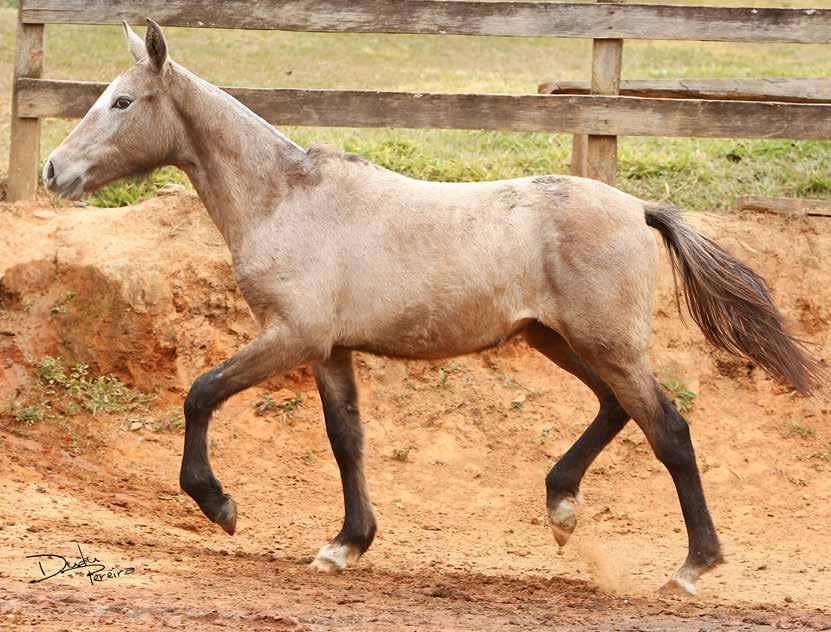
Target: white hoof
column 562, row 519
column 683, row 582
column 333, row 558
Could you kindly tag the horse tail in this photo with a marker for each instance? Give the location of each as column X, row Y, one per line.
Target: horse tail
column 732, row 304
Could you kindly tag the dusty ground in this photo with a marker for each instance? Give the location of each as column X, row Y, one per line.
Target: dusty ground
column 457, row 455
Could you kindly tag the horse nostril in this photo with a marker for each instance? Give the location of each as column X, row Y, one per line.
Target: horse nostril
column 50, row 171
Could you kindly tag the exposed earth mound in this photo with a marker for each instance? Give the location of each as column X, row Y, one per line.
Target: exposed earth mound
column 457, row 453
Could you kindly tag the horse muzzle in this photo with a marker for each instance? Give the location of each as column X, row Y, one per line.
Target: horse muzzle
column 65, row 182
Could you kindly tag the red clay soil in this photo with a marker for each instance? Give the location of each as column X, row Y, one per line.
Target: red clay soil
column 457, row 454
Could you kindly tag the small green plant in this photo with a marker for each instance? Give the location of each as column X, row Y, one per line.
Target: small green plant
column 108, row 394
column 792, row 430
column 50, row 371
column 507, row 380
column 60, row 305
column 266, row 404
column 171, row 421
column 291, row 404
column 545, row 435
column 680, row 396
column 446, row 371
column 823, row 456
column 402, row 454
column 27, row 415
column 799, row 482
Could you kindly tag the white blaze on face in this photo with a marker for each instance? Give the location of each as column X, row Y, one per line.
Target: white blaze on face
column 100, row 121
column 86, row 144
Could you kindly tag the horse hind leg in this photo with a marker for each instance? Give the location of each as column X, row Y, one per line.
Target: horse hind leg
column 563, row 481
column 631, row 379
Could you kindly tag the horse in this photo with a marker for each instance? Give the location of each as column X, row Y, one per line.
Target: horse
column 334, row 254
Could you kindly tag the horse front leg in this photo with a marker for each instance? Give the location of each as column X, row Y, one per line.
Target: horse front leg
column 274, row 351
column 336, row 383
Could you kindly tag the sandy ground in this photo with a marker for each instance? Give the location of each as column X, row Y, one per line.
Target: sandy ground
column 457, row 453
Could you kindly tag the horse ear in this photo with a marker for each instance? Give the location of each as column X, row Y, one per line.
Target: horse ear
column 156, row 46
column 134, row 43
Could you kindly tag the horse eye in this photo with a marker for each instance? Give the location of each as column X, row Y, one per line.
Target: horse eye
column 122, row 103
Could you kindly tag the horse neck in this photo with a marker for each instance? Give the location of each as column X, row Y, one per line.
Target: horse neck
column 239, row 165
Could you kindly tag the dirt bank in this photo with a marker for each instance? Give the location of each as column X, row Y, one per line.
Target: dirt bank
column 457, row 455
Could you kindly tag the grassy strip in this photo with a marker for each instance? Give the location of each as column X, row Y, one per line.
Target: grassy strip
column 693, row 173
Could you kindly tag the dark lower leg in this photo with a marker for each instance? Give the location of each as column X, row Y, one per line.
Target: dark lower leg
column 336, row 385
column 196, row 476
column 564, row 478
column 263, row 357
column 673, row 446
column 563, row 481
column 669, row 436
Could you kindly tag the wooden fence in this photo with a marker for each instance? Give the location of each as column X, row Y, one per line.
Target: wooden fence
column 601, row 116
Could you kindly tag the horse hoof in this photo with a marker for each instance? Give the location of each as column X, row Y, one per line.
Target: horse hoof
column 227, row 516
column 333, row 558
column 678, row 587
column 562, row 518
column 328, row 567
column 682, row 583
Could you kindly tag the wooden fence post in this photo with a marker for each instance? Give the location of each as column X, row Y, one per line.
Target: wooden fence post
column 24, row 152
column 596, row 156
column 578, row 155
column 601, row 151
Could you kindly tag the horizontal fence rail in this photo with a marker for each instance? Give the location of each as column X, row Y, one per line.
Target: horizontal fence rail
column 617, row 116
column 518, row 19
column 788, row 90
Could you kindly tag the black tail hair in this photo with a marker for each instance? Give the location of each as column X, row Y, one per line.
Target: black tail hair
column 732, row 304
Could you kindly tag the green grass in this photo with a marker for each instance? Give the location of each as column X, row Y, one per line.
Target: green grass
column 793, row 430
column 60, row 390
column 133, row 190
column 824, row 455
column 693, row 173
column 403, row 454
column 679, row 394
column 27, row 415
column 171, row 421
column 266, row 405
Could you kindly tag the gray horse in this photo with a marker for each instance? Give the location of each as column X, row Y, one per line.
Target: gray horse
column 335, row 254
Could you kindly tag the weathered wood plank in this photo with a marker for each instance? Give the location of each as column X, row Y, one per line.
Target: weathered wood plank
column 24, row 149
column 613, row 116
column 784, row 206
column 786, row 90
column 635, row 21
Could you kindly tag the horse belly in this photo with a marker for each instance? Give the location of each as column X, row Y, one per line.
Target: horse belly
column 443, row 329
